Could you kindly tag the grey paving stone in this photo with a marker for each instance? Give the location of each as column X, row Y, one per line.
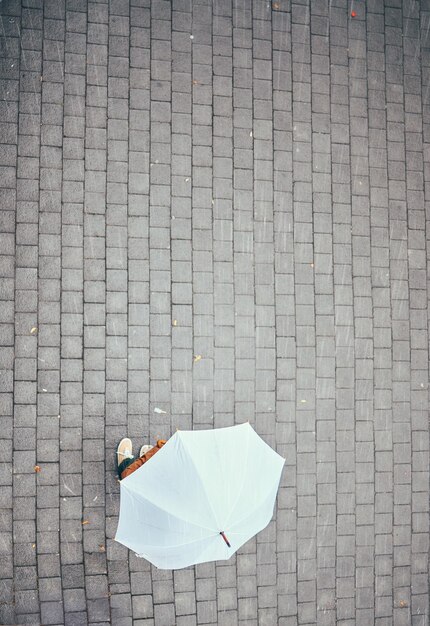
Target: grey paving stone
column 164, row 614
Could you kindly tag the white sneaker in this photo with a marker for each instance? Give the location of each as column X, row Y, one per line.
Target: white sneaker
column 144, row 449
column 124, row 450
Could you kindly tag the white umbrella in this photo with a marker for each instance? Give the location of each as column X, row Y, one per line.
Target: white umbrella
column 201, row 497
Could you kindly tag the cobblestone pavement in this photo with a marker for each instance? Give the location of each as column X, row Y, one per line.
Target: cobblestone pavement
column 243, row 181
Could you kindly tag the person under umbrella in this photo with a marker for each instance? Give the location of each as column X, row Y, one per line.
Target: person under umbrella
column 203, row 495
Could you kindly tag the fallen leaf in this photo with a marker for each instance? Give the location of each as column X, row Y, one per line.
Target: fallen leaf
column 33, row 331
column 175, row 322
column 276, row 5
column 303, row 401
column 33, row 545
column 403, row 603
column 353, row 14
column 37, row 468
column 85, row 522
column 196, row 82
column 198, row 357
column 102, row 548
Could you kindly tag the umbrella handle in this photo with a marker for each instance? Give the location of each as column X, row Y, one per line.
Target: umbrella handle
column 225, row 538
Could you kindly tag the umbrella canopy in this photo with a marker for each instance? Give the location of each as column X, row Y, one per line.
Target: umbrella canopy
column 201, row 497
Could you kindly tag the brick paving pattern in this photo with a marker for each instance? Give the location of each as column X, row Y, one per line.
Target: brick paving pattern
column 246, row 181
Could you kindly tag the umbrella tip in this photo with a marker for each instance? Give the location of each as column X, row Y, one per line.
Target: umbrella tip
column 225, row 538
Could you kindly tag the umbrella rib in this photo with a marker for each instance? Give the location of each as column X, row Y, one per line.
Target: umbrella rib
column 201, row 483
column 252, row 511
column 239, row 491
column 141, row 497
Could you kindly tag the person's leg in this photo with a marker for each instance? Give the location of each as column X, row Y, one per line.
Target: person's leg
column 124, row 464
column 131, row 465
column 134, row 465
column 124, row 455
